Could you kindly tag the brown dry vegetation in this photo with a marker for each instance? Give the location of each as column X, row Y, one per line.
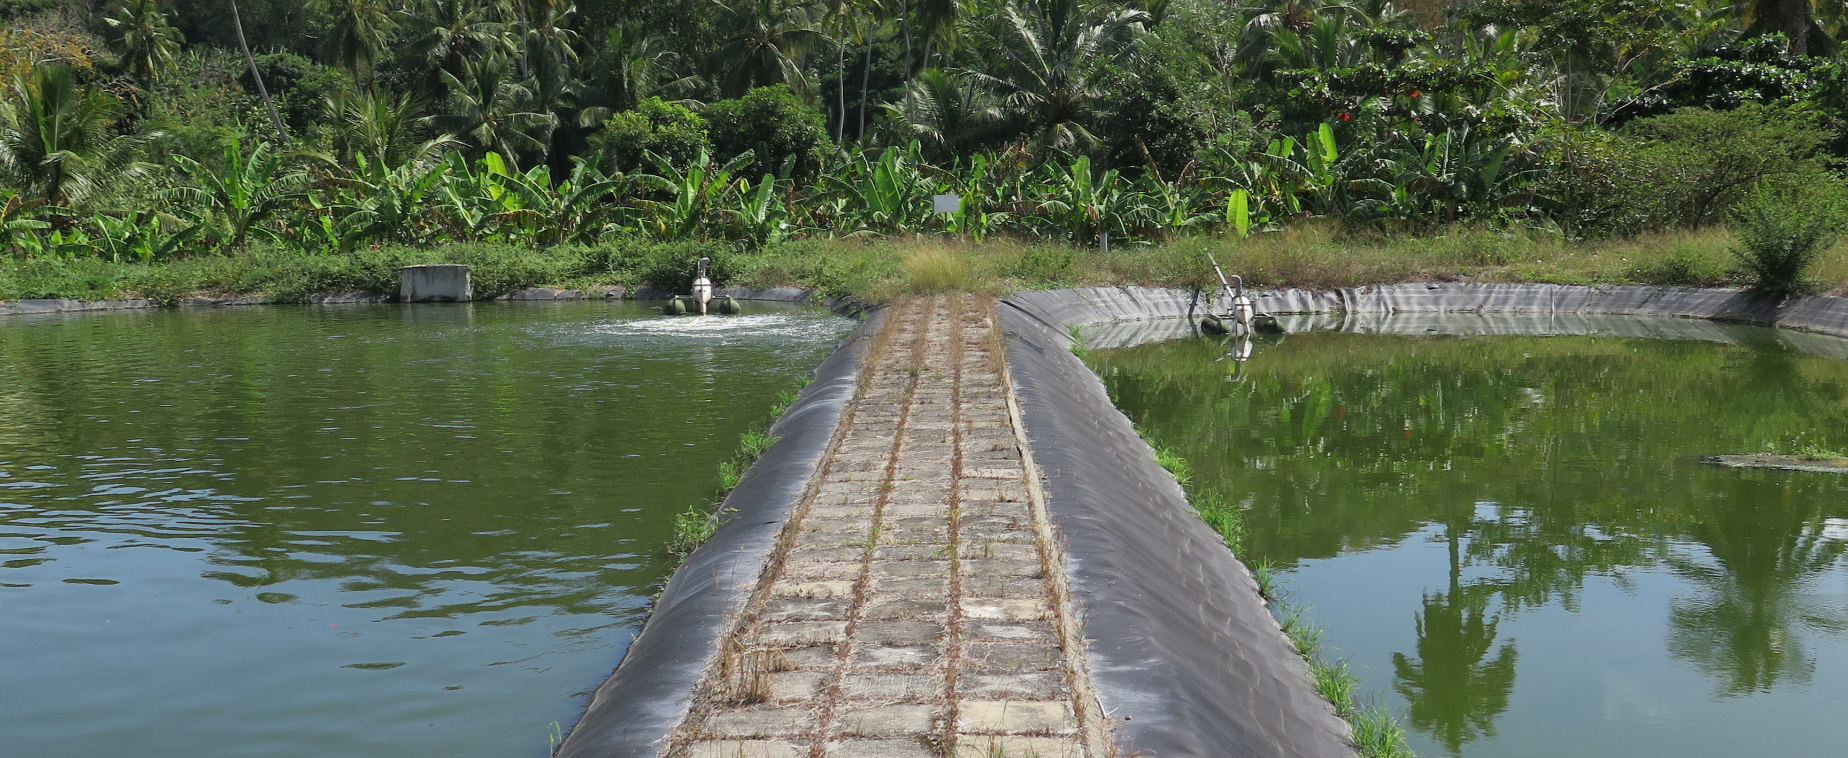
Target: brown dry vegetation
column 1310, row 256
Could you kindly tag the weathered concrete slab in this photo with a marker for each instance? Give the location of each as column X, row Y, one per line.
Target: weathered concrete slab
column 434, row 283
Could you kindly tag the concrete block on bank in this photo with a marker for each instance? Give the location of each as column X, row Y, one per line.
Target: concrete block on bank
column 442, row 282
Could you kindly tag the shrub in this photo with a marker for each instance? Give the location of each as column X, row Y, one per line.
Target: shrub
column 1683, row 169
column 298, row 85
column 666, row 129
column 1783, row 230
column 674, row 265
column 1703, row 162
column 782, row 130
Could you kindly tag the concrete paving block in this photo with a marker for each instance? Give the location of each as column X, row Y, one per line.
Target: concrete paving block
column 888, row 687
column 1015, row 716
column 748, row 749
column 761, row 722
column 1014, row 746
column 888, row 748
column 887, row 720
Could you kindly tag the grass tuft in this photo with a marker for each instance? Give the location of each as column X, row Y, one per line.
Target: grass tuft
column 938, row 271
column 698, row 523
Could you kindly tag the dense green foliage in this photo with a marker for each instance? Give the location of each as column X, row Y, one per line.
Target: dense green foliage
column 141, row 129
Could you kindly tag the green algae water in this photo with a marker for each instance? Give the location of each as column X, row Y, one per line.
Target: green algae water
column 353, row 531
column 1513, row 539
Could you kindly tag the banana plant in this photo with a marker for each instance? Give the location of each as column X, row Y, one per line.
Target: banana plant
column 693, row 192
column 59, row 243
column 761, row 217
column 1086, row 207
column 890, row 195
column 545, row 215
column 251, row 189
column 983, row 192
column 142, row 235
column 1438, row 179
column 377, row 201
column 16, row 222
column 1178, row 205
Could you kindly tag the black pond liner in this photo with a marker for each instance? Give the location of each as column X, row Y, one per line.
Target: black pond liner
column 652, row 689
column 1186, row 659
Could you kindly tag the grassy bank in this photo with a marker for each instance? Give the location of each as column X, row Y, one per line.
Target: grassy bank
column 1376, row 732
column 1308, row 255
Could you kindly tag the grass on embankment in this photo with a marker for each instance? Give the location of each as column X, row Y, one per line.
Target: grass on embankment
column 696, row 524
column 1310, row 255
column 1376, row 733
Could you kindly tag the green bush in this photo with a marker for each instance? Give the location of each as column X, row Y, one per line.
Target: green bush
column 1783, row 230
column 673, row 265
column 1700, row 162
column 1680, row 170
column 657, row 126
column 774, row 123
column 298, row 86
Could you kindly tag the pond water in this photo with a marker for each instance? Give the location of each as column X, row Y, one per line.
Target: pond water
column 1513, row 539
column 357, row 531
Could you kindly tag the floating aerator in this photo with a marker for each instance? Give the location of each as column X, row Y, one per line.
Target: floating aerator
column 702, row 298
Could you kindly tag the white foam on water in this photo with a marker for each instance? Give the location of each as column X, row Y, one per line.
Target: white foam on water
column 759, row 325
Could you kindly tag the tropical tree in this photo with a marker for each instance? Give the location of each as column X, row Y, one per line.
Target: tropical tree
column 491, row 111
column 1051, row 60
column 630, row 68
column 359, row 31
column 60, row 147
column 383, row 128
column 145, row 38
column 776, row 36
column 446, row 33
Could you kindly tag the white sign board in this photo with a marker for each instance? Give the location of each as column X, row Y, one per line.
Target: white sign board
column 946, row 203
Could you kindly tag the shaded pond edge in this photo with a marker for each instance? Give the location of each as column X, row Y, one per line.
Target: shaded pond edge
column 651, row 690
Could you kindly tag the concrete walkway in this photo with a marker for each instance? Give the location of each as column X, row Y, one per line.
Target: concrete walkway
column 909, row 609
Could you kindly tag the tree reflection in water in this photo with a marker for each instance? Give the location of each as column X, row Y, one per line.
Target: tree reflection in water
column 1540, row 463
column 1743, row 624
column 1455, row 688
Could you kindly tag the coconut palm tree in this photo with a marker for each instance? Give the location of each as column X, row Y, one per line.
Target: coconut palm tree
column 383, row 128
column 445, row 33
column 776, row 36
column 491, row 111
column 633, row 67
column 58, row 147
column 358, row 33
column 1050, row 60
column 145, row 38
